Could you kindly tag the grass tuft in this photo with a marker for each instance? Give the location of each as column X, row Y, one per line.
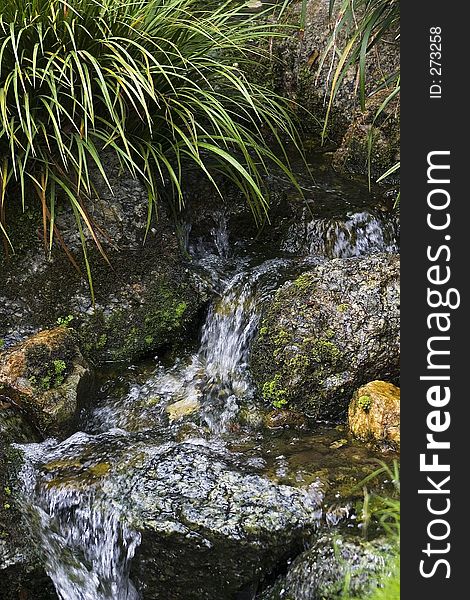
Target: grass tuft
column 158, row 83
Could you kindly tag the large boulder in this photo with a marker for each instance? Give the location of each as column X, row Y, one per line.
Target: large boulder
column 202, row 522
column 334, row 563
column 44, row 378
column 331, row 330
column 144, row 298
column 374, row 413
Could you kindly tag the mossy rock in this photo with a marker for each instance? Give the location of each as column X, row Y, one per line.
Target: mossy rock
column 145, row 298
column 374, row 413
column 44, row 378
column 333, row 561
column 328, row 332
column 144, row 317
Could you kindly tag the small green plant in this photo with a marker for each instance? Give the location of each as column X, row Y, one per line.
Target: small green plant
column 365, row 403
column 385, row 512
column 273, row 393
column 2, row 343
column 45, row 382
column 59, row 370
column 52, row 375
column 65, row 321
column 59, row 366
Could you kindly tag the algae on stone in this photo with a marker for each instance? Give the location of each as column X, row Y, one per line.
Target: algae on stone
column 311, row 356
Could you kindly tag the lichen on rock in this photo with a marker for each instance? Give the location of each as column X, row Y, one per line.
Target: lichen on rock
column 328, row 332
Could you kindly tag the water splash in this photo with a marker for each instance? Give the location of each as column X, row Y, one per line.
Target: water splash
column 359, row 234
column 216, row 379
column 86, row 543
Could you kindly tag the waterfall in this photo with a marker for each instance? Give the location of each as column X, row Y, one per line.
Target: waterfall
column 86, row 543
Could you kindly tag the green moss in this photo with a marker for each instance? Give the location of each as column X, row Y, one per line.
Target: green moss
column 343, row 307
column 46, row 374
column 299, row 363
column 273, row 393
column 304, row 282
column 45, row 383
column 101, row 342
column 140, row 327
column 321, row 350
column 365, row 403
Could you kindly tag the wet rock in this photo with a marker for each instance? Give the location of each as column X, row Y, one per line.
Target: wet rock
column 182, row 408
column 284, row 418
column 355, row 153
column 374, row 413
column 322, row 572
column 42, row 382
column 328, row 332
column 20, row 573
column 209, row 524
column 145, row 298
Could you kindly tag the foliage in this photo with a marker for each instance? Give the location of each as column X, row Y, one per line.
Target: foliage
column 160, row 84
column 386, row 512
column 362, row 23
column 273, row 393
column 365, row 403
column 65, row 321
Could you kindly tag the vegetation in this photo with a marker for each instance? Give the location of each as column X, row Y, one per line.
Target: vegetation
column 384, row 512
column 159, row 84
column 359, row 26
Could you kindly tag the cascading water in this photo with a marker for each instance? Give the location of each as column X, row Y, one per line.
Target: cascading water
column 357, row 234
column 87, row 545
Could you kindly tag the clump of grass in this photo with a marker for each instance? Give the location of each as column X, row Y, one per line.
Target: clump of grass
column 360, row 24
column 385, row 512
column 158, row 83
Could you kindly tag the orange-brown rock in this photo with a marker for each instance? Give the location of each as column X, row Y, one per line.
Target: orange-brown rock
column 374, row 412
column 43, row 378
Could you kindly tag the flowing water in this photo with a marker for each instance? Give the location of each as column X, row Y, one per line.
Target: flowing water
column 87, row 543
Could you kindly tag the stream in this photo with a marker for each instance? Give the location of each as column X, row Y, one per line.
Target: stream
column 172, row 428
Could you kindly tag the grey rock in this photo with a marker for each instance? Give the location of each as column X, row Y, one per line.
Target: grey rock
column 329, row 332
column 321, row 572
column 210, row 525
